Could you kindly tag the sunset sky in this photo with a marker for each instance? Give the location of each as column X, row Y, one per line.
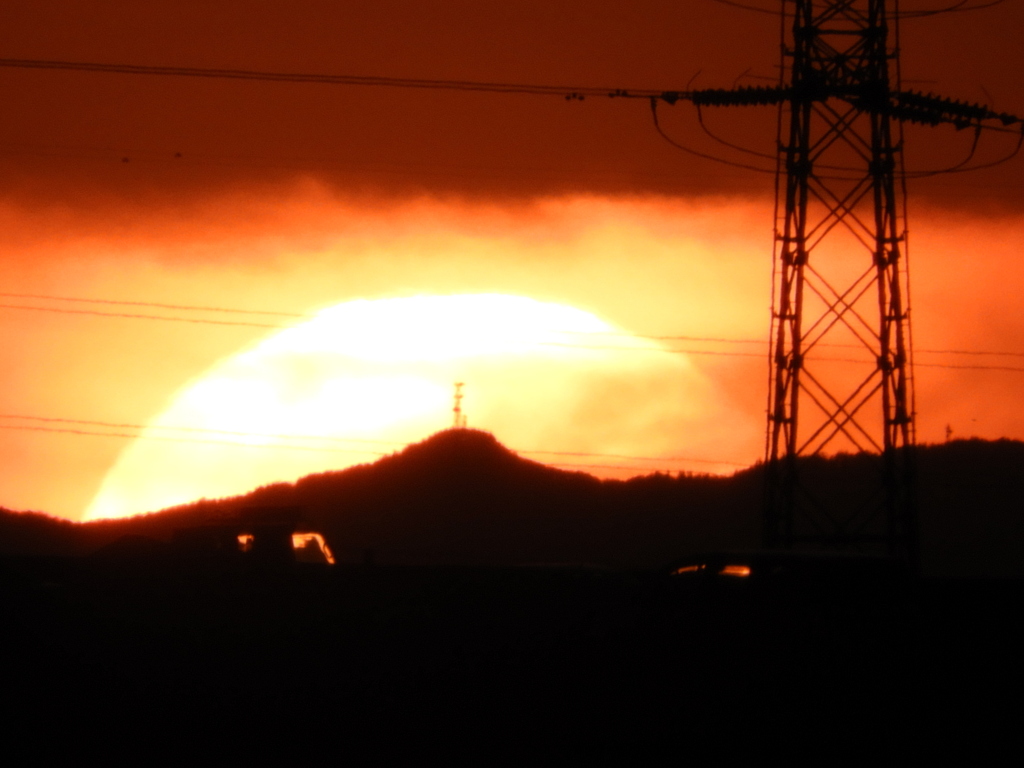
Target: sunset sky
column 292, row 199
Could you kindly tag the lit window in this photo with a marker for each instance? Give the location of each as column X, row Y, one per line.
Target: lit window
column 735, row 570
column 687, row 569
column 311, row 544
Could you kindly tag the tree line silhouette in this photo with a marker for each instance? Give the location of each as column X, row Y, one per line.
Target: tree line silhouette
column 461, row 498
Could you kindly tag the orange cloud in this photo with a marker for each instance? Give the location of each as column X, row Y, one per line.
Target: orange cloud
column 652, row 266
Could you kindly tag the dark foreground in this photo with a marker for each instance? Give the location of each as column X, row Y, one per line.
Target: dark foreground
column 186, row 659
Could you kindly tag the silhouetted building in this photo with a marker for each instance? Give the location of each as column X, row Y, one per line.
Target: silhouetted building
column 207, row 541
column 266, row 534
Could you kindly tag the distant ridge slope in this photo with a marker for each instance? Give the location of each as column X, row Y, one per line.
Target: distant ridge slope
column 460, row 497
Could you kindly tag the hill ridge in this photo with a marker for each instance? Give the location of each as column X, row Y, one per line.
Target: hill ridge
column 461, row 497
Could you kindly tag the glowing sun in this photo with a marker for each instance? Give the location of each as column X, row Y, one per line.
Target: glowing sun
column 363, row 378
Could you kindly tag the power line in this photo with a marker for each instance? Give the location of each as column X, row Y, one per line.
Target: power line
column 918, row 107
column 95, row 313
column 961, row 6
column 298, row 315
column 620, row 466
column 661, row 350
column 206, row 321
column 694, row 152
column 746, row 7
column 68, row 430
column 569, row 92
column 139, row 428
column 569, row 345
column 637, row 458
column 151, row 304
column 632, row 468
column 291, row 162
column 116, row 425
column 969, row 352
column 970, row 367
column 309, row 316
column 305, row 316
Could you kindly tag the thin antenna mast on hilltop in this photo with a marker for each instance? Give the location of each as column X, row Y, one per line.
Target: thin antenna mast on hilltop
column 459, row 420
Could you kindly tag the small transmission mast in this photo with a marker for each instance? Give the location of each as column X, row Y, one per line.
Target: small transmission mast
column 459, row 418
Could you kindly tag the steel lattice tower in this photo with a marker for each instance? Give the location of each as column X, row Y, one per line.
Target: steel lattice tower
column 840, row 281
column 841, row 369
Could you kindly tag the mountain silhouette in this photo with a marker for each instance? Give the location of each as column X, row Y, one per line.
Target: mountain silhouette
column 460, row 497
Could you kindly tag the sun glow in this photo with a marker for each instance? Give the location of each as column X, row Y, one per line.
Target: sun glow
column 364, row 378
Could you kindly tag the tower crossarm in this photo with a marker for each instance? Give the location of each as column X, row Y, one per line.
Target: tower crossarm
column 750, row 96
column 906, row 106
column 930, row 109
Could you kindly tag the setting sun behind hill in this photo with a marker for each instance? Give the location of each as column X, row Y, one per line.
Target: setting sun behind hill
column 363, row 378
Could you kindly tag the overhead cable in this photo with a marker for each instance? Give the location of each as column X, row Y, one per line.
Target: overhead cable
column 961, row 6
column 139, row 429
column 697, row 153
column 571, row 345
column 569, row 92
column 95, row 313
column 122, row 302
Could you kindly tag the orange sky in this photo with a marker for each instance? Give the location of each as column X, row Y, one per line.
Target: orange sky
column 653, row 266
column 293, row 200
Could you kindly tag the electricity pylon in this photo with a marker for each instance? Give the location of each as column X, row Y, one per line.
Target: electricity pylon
column 841, row 153
column 842, row 375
